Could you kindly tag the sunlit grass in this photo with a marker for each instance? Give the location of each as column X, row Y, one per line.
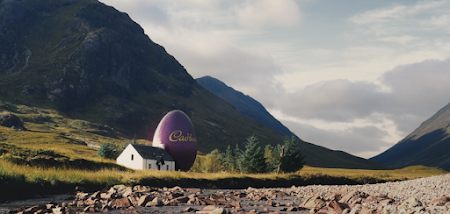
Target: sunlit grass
column 408, row 172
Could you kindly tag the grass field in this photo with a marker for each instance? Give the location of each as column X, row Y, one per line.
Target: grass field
column 411, row 172
column 27, row 181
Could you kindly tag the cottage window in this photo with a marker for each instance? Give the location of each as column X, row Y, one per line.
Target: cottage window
column 132, row 157
column 167, row 168
column 150, row 166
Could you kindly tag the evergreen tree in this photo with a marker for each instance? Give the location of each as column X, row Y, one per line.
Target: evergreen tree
column 213, row 161
column 229, row 161
column 253, row 160
column 237, row 156
column 107, row 150
column 292, row 158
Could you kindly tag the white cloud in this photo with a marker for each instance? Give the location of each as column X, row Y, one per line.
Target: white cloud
column 404, row 39
column 260, row 13
column 356, row 109
column 379, row 15
column 442, row 21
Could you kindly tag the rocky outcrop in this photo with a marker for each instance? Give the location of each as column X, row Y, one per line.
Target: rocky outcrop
column 11, row 120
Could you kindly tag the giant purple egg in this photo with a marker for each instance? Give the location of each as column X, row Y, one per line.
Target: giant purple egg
column 175, row 133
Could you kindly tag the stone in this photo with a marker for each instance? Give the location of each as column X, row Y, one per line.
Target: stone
column 440, row 201
column 412, row 202
column 291, row 209
column 81, row 196
column 199, row 201
column 385, row 202
column 189, row 209
column 313, row 202
column 11, row 120
column 134, row 200
column 209, row 208
column 34, row 208
column 58, row 210
column 157, row 201
column 370, row 199
column 196, row 190
column 236, row 204
column 366, row 210
column 269, row 203
column 356, row 209
column 211, row 202
column 143, row 200
column 139, row 188
column 176, row 188
column 120, row 203
column 336, row 207
column 346, row 198
column 182, row 199
column 219, row 211
column 95, row 195
column 172, row 202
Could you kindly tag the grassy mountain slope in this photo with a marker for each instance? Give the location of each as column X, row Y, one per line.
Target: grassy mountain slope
column 428, row 145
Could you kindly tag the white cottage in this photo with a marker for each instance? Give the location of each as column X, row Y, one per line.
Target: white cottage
column 137, row 156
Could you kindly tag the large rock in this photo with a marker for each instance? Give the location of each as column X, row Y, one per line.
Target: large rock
column 11, row 120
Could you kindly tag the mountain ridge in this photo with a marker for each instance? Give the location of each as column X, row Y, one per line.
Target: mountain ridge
column 244, row 104
column 427, row 145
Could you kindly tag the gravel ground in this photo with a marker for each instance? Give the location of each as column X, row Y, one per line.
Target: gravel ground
column 412, row 196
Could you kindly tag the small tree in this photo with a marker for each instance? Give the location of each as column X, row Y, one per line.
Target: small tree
column 229, row 161
column 212, row 161
column 253, row 160
column 237, row 155
column 197, row 166
column 292, row 158
column 107, row 150
column 269, row 154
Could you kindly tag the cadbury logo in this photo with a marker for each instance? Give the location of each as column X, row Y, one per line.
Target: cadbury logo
column 178, row 136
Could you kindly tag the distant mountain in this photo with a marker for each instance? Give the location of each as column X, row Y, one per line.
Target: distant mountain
column 428, row 145
column 314, row 155
column 244, row 104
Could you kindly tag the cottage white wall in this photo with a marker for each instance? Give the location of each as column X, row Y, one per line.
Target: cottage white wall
column 125, row 158
column 152, row 163
column 148, row 162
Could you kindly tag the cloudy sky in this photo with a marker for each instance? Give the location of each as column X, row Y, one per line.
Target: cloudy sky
column 349, row 75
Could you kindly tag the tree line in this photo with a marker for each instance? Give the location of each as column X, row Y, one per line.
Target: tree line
column 281, row 158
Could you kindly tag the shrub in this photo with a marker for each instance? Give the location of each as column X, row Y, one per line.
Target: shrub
column 107, row 150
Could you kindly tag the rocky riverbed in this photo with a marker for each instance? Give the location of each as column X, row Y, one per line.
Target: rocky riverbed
column 425, row 195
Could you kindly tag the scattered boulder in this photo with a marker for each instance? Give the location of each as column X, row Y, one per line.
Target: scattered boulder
column 11, row 120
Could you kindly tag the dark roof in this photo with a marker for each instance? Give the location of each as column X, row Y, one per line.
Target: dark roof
column 150, row 152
